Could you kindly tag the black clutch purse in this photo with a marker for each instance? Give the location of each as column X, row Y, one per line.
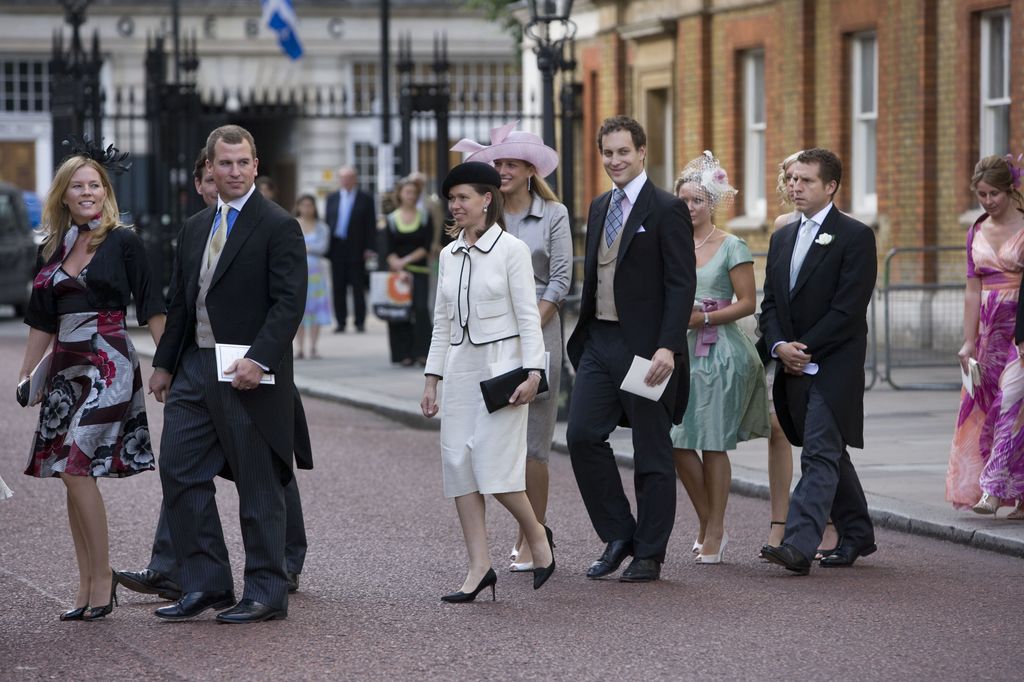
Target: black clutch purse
column 22, row 393
column 497, row 390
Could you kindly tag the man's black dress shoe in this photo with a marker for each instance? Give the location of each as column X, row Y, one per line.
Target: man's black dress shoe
column 786, row 556
column 614, row 554
column 293, row 582
column 845, row 554
column 249, row 611
column 150, row 582
column 641, row 571
column 192, row 604
column 339, row 330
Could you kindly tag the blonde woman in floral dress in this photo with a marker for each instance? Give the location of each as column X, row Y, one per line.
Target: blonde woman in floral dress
column 92, row 419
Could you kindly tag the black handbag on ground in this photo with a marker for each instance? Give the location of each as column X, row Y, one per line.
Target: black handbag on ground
column 497, row 390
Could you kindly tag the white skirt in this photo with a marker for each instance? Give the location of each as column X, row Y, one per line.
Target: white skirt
column 480, row 451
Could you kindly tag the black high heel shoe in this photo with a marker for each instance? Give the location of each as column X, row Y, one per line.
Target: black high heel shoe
column 541, row 575
column 761, row 554
column 100, row 611
column 74, row 614
column 490, row 579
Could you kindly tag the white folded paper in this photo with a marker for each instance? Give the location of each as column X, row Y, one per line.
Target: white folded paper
column 229, row 352
column 634, row 381
column 38, row 381
column 972, row 377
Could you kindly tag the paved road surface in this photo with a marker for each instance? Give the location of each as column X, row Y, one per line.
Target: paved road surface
column 384, row 546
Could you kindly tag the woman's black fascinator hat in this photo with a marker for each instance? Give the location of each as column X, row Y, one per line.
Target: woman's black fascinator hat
column 111, row 158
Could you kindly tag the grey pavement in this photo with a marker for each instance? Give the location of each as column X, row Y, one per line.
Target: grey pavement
column 902, row 467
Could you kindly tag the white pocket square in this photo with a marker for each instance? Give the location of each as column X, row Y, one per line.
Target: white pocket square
column 640, row 229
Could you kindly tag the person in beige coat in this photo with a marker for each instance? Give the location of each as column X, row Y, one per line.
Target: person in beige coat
column 486, row 323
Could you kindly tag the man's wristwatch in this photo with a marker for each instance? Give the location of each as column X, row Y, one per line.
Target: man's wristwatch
column 534, row 373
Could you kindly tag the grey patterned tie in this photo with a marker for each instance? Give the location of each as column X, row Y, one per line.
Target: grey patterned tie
column 613, row 223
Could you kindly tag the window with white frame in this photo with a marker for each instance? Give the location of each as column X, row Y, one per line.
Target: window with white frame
column 476, row 87
column 364, row 160
column 864, row 96
column 995, row 83
column 755, row 203
column 24, row 85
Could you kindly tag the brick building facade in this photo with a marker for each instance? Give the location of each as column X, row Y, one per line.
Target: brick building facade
column 910, row 93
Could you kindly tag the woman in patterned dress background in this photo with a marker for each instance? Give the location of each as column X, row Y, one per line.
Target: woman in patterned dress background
column 986, row 461
column 92, row 417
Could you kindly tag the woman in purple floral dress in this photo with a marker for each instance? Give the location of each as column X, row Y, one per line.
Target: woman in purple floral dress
column 92, row 418
column 986, row 464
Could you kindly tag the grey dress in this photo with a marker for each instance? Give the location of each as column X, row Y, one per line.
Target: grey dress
column 545, row 229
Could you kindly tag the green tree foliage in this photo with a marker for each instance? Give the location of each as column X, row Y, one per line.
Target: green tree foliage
column 500, row 11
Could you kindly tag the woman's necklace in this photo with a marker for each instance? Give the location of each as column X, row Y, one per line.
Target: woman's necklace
column 705, row 240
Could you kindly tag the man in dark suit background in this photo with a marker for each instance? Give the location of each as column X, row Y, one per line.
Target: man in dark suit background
column 241, row 279
column 160, row 577
column 639, row 282
column 820, row 275
column 352, row 219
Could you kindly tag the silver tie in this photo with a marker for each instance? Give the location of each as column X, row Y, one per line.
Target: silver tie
column 803, row 245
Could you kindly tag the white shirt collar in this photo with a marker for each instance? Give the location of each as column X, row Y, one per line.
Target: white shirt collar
column 238, row 203
column 633, row 187
column 819, row 217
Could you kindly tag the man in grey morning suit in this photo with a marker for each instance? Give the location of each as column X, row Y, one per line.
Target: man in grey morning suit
column 241, row 279
column 160, row 577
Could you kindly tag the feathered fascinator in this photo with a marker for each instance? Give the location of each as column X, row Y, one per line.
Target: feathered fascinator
column 707, row 172
column 111, row 158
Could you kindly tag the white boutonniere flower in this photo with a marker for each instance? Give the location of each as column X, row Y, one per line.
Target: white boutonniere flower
column 824, row 239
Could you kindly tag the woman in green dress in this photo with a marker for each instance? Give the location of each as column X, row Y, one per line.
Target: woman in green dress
column 728, row 400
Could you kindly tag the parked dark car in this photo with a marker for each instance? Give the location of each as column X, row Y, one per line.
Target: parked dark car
column 17, row 249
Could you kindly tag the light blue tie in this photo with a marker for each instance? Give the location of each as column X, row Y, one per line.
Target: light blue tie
column 613, row 223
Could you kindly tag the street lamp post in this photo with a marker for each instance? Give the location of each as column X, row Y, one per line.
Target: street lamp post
column 550, row 55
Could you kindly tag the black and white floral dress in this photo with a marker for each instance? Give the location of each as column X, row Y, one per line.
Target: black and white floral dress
column 92, row 420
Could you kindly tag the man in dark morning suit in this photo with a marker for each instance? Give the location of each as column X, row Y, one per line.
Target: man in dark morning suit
column 638, row 288
column 241, row 279
column 160, row 577
column 352, row 219
column 820, row 275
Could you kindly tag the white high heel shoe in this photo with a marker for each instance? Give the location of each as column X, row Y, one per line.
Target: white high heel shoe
column 524, row 567
column 697, row 546
column 988, row 504
column 714, row 558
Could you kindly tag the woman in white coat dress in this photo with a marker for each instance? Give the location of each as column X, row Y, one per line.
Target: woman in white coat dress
column 486, row 323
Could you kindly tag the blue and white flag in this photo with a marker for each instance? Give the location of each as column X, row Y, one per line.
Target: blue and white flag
column 279, row 16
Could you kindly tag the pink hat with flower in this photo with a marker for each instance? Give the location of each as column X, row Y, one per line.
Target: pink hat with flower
column 509, row 143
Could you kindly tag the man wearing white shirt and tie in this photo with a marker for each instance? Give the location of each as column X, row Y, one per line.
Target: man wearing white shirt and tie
column 820, row 276
column 638, row 271
column 240, row 278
